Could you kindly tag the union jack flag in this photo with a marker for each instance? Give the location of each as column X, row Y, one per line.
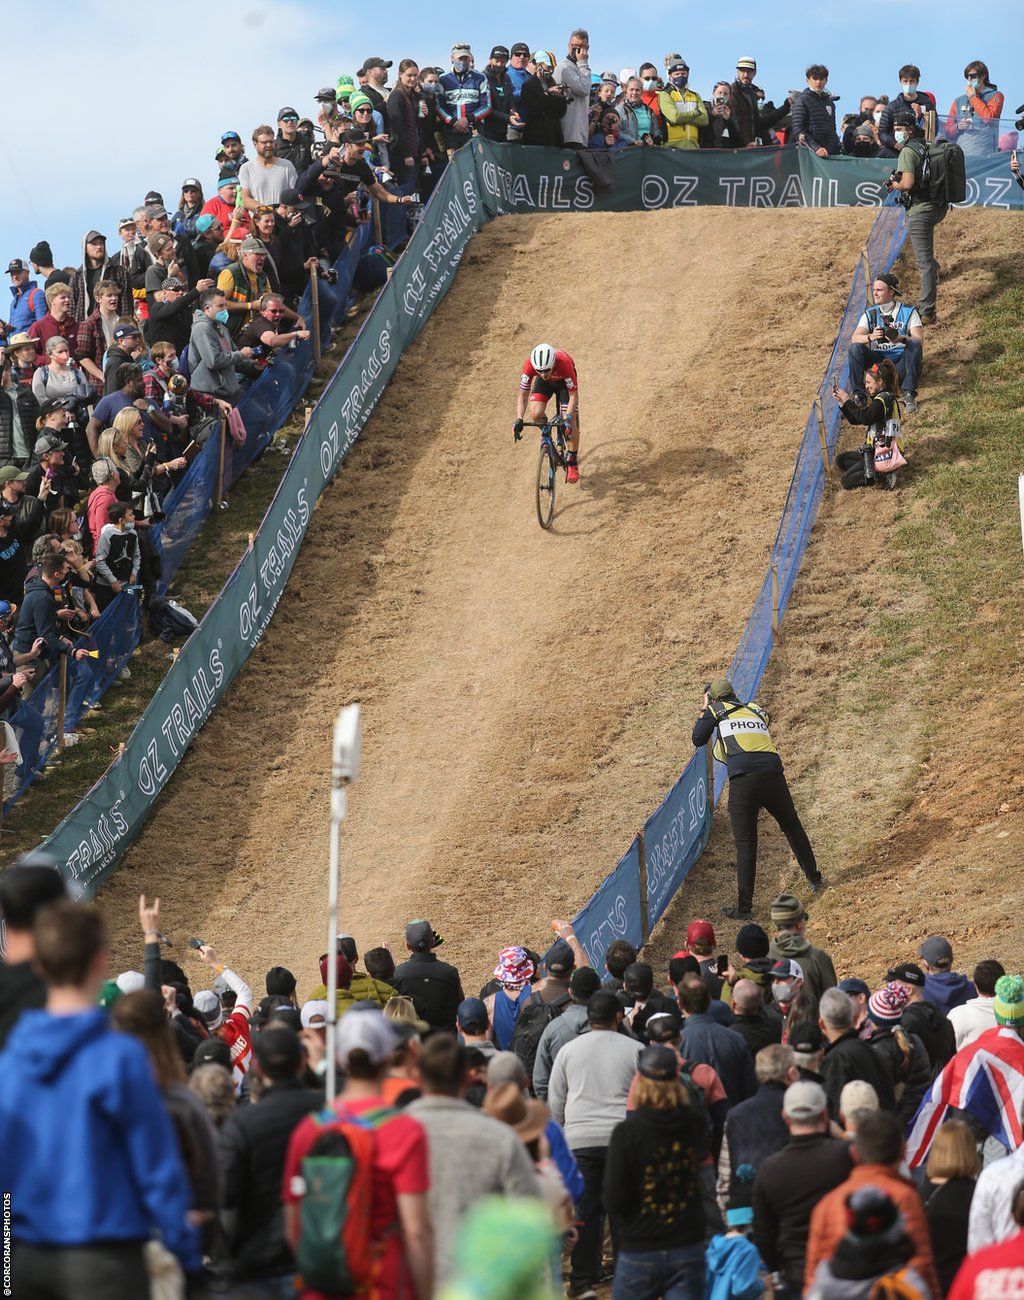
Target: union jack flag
column 986, row 1079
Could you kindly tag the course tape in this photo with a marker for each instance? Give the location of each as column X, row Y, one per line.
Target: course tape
column 484, row 181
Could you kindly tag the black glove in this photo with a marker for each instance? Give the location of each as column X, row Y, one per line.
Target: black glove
column 517, row 430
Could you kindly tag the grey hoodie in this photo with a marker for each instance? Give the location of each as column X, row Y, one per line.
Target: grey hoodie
column 574, row 77
column 212, row 358
column 563, row 1029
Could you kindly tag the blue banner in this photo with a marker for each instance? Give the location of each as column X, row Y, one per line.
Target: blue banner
column 614, row 912
column 675, row 835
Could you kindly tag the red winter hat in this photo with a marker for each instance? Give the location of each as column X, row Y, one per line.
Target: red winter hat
column 344, row 971
column 700, row 932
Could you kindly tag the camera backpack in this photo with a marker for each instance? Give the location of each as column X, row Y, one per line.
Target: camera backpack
column 943, row 177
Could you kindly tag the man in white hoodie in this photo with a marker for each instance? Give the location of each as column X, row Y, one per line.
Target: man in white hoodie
column 974, row 1017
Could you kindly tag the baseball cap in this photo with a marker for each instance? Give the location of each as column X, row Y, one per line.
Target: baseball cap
column 664, row 1026
column 251, row 245
column 890, row 280
column 720, row 688
column 230, row 135
column 936, row 951
column 16, row 264
column 6, row 608
column 44, row 445
column 95, row 236
column 53, row 404
column 154, row 196
column 804, row 1100
column 462, row 48
column 658, row 1063
column 907, row 972
column 207, row 1006
column 559, row 958
column 367, row 1032
column 354, row 137
column 293, row 199
column 700, row 932
column 786, row 968
column 420, row 936
column 678, row 63
column 855, row 985
column 125, row 221
column 191, row 183
column 204, row 222
column 314, row 1009
column 472, row 1016
column 375, row 62
column 287, row 111
column 125, row 332
column 500, row 52
column 610, row 77
column 213, row 1051
column 505, row 1067
column 130, row 981
column 12, row 474
column 326, row 92
column 172, row 282
column 856, row 1095
column 804, row 1037
column 584, row 983
column 520, row 47
column 747, row 62
column 158, row 242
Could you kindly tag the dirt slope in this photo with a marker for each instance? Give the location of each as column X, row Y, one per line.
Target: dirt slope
column 527, row 697
column 914, row 807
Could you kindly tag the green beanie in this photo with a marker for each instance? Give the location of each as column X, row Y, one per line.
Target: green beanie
column 1009, row 1002
column 345, row 87
column 359, row 100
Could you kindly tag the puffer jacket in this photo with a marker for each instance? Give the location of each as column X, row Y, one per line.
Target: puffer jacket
column 819, row 973
column 814, row 118
column 683, row 113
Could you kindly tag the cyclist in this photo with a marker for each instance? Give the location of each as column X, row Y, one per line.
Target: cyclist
column 549, row 372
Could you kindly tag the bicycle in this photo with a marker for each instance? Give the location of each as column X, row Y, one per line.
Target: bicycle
column 552, row 458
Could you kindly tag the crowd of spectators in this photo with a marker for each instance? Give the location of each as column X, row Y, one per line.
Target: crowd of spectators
column 744, row 1125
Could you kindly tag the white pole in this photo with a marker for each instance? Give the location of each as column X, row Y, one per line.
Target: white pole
column 1020, row 493
column 344, row 770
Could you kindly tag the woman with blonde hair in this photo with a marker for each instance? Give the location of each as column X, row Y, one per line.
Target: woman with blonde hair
column 953, row 1168
column 652, row 1186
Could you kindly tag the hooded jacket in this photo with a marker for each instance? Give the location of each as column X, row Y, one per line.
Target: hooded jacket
column 212, row 358
column 819, row 973
column 651, row 1180
column 733, row 1270
column 89, row 1151
column 948, row 989
column 924, row 1019
column 38, row 617
column 756, row 969
column 81, row 295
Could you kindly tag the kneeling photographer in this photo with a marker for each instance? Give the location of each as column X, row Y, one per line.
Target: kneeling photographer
column 888, row 331
column 881, row 456
column 262, row 333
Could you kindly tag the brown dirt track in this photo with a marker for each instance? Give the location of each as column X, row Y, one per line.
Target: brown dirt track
column 527, row 697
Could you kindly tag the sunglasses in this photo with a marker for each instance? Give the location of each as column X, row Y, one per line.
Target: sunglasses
column 290, row 117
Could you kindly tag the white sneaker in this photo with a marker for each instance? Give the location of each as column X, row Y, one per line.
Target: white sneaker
column 910, row 403
column 124, row 675
column 71, row 738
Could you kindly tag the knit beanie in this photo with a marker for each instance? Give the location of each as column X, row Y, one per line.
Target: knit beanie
column 885, row 1006
column 1009, row 1002
column 752, row 942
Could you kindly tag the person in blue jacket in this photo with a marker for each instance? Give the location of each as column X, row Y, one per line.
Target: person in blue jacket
column 463, row 99
column 28, row 301
column 87, row 1151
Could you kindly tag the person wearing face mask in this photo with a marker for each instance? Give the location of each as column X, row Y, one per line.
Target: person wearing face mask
column 923, row 213
column 973, row 120
column 542, row 104
column 573, row 75
column 910, row 99
column 682, row 110
column 212, row 355
column 814, row 115
column 463, row 99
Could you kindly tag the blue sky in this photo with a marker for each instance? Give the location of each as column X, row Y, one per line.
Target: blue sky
column 155, row 94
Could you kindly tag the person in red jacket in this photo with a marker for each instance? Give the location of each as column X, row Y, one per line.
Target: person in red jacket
column 549, row 372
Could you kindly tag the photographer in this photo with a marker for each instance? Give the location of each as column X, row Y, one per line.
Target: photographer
column 170, row 312
column 720, row 124
column 880, row 412
column 261, row 334
column 756, row 781
column 297, row 248
column 542, row 104
column 923, row 215
column 54, row 480
column 889, row 330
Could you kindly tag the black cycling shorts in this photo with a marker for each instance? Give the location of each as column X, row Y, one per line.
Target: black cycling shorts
column 546, row 389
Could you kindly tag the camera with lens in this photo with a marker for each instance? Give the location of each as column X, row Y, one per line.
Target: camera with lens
column 326, row 272
column 1019, row 124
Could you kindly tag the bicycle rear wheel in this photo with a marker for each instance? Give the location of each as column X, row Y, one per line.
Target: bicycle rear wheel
column 545, row 486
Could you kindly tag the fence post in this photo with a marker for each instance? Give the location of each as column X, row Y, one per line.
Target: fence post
column 314, row 291
column 930, row 125
column 377, row 228
column 775, row 598
column 826, row 461
column 867, row 276
column 710, row 756
column 645, row 928
column 62, row 703
column 220, row 460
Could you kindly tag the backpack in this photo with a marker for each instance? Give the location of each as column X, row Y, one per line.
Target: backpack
column 695, row 1094
column 943, row 177
column 335, row 1254
column 901, row 1285
column 372, row 268
column 168, row 620
column 534, row 1018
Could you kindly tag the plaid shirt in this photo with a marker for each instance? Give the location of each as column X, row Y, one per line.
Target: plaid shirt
column 91, row 344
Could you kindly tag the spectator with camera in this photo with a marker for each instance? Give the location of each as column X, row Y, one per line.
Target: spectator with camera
column 889, row 330
column 53, row 479
column 170, row 312
column 880, row 414
column 814, row 114
column 127, row 347
column 194, row 253
column 542, row 104
column 923, row 212
column 682, row 109
column 973, row 120
column 911, row 99
column 719, row 133
column 607, row 133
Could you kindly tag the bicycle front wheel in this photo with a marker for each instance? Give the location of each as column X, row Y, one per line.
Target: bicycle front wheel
column 546, row 486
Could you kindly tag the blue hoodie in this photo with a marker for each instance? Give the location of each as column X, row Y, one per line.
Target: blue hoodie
column 87, row 1148
column 733, row 1270
column 948, row 989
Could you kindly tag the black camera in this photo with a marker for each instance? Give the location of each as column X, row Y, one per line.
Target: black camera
column 326, row 272
column 260, row 352
column 1019, row 124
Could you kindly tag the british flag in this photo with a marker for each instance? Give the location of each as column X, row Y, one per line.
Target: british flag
column 986, row 1079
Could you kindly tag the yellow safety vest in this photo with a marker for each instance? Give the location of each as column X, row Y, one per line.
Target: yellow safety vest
column 742, row 729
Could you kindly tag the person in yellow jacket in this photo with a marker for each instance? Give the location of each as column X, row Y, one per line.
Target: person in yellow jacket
column 756, row 780
column 682, row 109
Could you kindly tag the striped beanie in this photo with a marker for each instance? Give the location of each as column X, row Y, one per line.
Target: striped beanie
column 885, row 1005
column 1009, row 1002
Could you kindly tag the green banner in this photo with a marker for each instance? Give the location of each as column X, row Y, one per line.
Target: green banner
column 483, row 181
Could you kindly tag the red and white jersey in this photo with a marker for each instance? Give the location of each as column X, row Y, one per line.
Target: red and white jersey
column 562, row 372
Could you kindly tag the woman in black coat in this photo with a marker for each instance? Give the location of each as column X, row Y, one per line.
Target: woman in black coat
column 953, row 1167
column 542, row 105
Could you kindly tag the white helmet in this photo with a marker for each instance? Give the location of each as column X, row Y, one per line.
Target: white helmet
column 542, row 357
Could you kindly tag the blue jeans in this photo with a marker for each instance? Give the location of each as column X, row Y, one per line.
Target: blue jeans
column 660, row 1274
column 908, row 366
column 267, row 1288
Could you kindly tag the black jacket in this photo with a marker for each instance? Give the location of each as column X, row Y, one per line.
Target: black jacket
column 948, row 1209
column 759, row 1030
column 28, row 410
column 253, row 1144
column 787, row 1187
column 495, row 125
column 171, row 322
column 912, row 1071
column 886, row 138
column 849, row 1057
column 542, row 114
column 297, row 151
column 814, row 117
column 926, row 1021
column 754, row 1130
column 651, row 1187
column 434, row 986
